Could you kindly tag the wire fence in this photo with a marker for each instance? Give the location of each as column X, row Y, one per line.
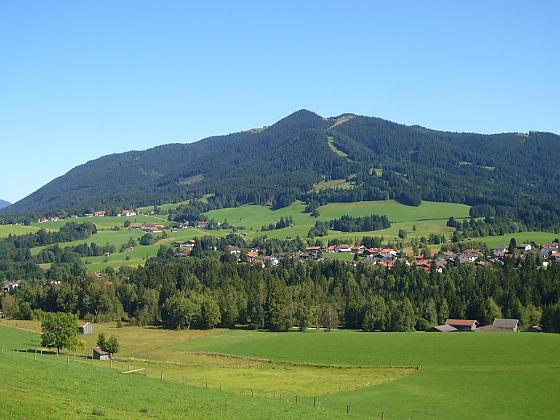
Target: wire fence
column 127, row 368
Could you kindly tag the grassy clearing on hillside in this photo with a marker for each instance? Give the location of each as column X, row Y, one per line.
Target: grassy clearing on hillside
column 428, row 218
column 332, row 183
column 6, row 230
column 520, row 237
column 105, row 223
column 335, row 149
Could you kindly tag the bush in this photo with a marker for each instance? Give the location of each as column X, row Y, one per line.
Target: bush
column 97, row 412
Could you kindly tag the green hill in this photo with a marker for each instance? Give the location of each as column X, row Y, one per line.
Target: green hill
column 516, row 174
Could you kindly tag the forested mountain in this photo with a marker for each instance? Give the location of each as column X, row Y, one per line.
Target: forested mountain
column 515, row 174
column 4, row 203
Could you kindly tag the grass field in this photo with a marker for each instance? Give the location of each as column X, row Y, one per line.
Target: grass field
column 520, row 237
column 332, row 183
column 51, row 387
column 428, row 218
column 6, row 230
column 462, row 375
column 105, row 223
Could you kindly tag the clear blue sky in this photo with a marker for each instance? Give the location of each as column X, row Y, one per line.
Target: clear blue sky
column 82, row 79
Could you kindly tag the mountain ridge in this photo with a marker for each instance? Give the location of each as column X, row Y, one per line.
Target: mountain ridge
column 283, row 161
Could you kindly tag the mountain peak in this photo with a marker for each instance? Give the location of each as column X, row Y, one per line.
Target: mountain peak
column 301, row 119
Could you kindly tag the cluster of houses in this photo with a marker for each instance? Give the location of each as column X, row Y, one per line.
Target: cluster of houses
column 98, row 213
column 499, row 325
column 384, row 257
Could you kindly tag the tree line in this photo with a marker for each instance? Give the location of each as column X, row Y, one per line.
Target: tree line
column 208, row 292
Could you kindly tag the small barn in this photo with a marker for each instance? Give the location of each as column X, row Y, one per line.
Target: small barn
column 99, row 354
column 462, row 324
column 511, row 325
column 85, row 328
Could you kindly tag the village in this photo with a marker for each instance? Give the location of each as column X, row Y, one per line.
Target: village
column 389, row 257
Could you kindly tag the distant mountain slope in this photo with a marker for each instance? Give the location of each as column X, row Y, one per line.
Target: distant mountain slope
column 4, row 203
column 517, row 174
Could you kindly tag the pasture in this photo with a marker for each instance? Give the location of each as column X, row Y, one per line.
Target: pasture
column 462, row 375
column 428, row 218
column 6, row 230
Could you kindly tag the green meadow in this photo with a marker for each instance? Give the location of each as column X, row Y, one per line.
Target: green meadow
column 6, row 230
column 57, row 387
column 258, row 374
column 106, row 222
column 428, row 218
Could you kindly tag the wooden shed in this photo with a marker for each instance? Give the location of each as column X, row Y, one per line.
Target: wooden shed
column 85, row 328
column 99, row 354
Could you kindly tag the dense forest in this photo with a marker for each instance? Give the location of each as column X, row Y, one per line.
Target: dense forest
column 212, row 287
column 207, row 292
column 510, row 175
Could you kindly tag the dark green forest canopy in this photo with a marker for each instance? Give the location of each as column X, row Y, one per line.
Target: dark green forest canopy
column 517, row 175
column 202, row 293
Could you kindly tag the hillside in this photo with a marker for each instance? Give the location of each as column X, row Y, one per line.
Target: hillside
column 514, row 173
column 4, row 203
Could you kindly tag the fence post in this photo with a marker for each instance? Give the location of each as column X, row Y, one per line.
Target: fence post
column 347, row 409
column 296, row 399
column 161, row 376
column 314, row 402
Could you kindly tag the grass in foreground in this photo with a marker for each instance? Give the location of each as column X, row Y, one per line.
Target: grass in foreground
column 462, row 375
column 48, row 387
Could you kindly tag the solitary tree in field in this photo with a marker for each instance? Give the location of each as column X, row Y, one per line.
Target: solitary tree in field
column 112, row 346
column 58, row 331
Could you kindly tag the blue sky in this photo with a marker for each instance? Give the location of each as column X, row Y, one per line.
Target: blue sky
column 82, row 79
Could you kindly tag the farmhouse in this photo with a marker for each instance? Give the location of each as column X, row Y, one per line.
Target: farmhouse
column 500, row 251
column 99, row 354
column 8, row 286
column 85, row 328
column 462, row 324
column 524, row 247
column 100, row 213
column 152, row 228
column 234, row 250
column 202, row 225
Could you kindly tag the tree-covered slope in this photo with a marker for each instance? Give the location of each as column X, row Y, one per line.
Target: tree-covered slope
column 4, row 203
column 515, row 173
